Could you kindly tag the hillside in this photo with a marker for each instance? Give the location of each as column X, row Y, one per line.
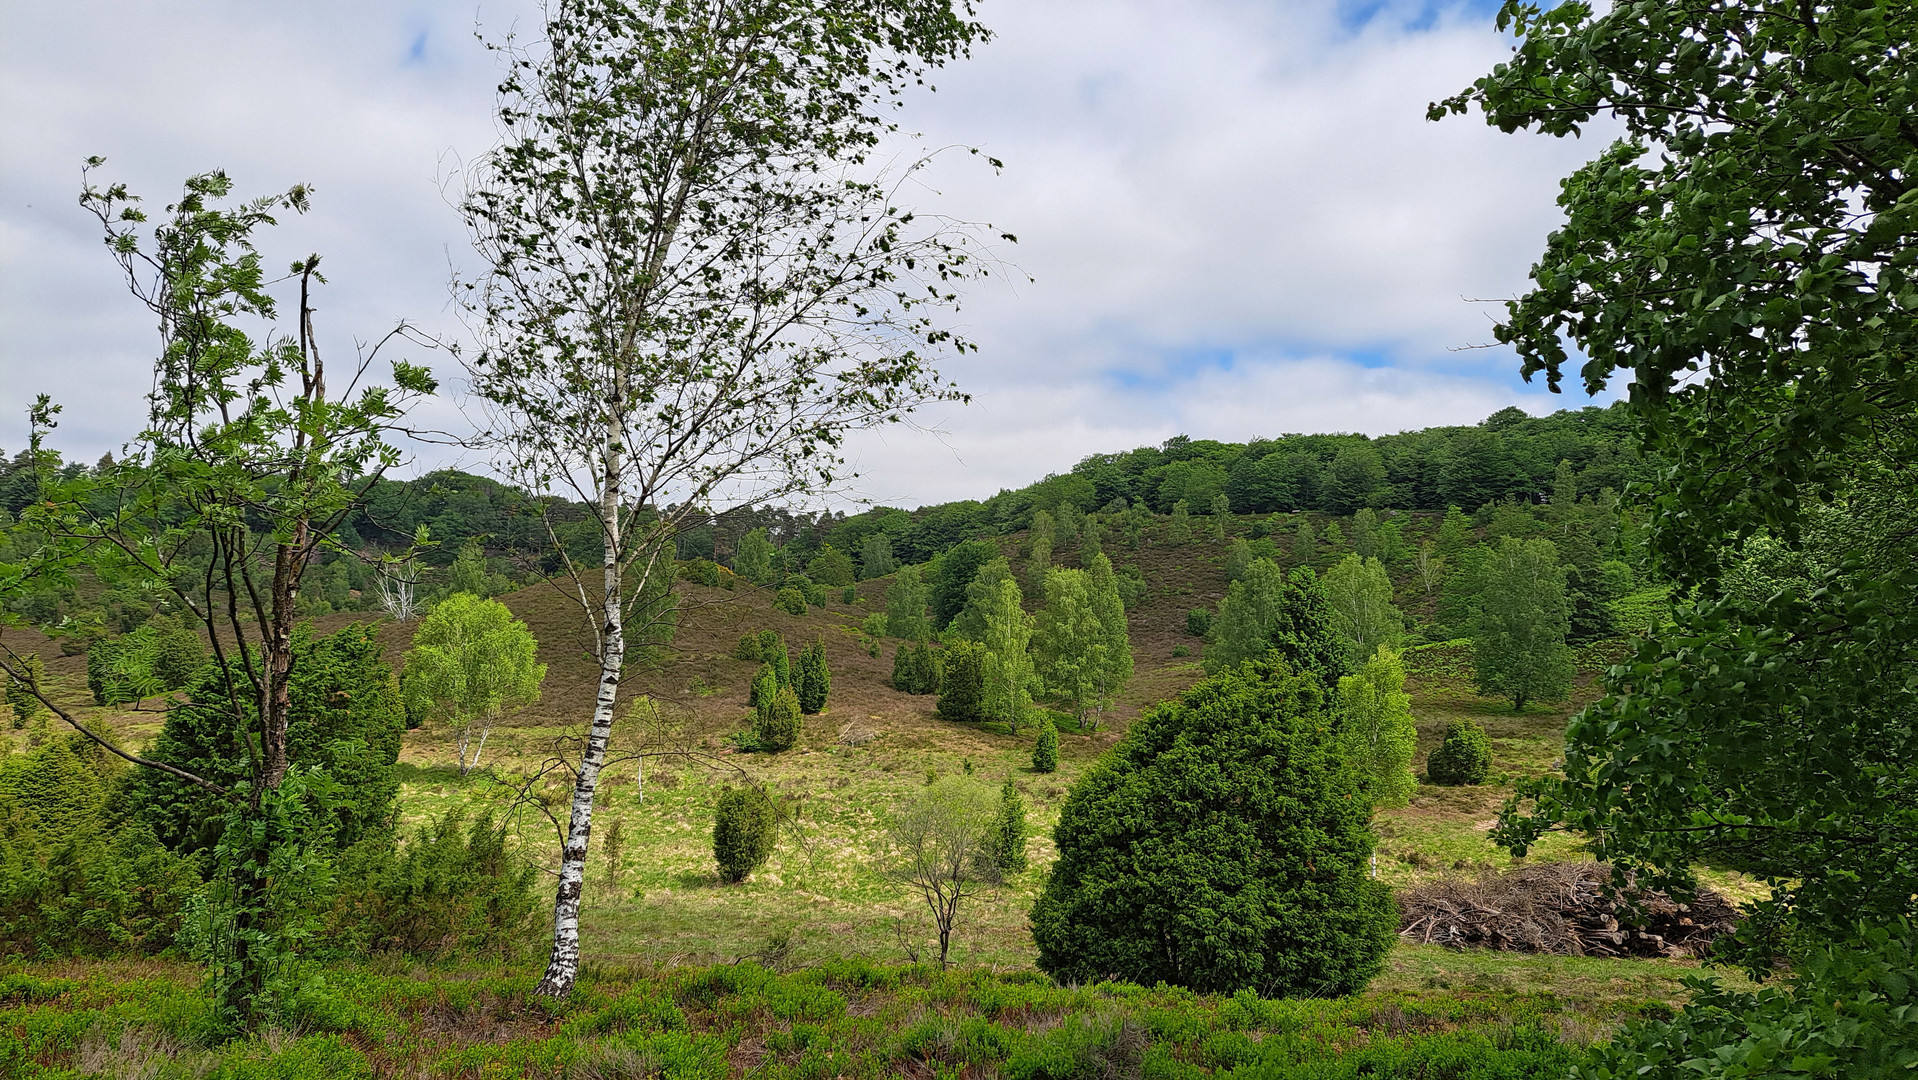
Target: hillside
column 823, row 892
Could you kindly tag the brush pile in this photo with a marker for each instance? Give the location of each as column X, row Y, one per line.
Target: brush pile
column 1560, row 908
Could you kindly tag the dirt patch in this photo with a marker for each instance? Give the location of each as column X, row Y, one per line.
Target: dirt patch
column 1560, row 908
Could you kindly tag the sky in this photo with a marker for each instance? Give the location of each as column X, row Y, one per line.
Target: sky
column 1233, row 218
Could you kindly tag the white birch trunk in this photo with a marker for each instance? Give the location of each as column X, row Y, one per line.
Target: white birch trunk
column 562, row 967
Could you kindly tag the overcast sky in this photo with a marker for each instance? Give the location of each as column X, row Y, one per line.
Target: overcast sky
column 1237, row 219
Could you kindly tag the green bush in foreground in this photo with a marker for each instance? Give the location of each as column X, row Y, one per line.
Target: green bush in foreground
column 743, row 832
column 1849, row 1012
column 1045, row 752
column 1221, row 845
column 1465, row 757
column 689, row 1022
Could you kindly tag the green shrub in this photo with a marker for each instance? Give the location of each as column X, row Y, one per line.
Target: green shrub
column 765, row 687
column 1045, row 752
column 849, row 595
column 1010, row 831
column 748, row 648
column 812, row 682
column 1181, row 650
column 814, row 592
column 700, row 571
column 1465, row 757
column 743, row 831
column 455, row 887
column 776, row 725
column 1221, row 845
column 26, row 707
column 962, row 685
column 791, row 601
column 1849, row 1010
column 1198, row 621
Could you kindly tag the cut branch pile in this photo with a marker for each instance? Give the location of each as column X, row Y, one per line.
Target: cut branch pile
column 1560, row 908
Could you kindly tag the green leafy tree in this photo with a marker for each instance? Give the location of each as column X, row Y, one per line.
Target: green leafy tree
column 982, row 598
column 1454, row 533
column 1039, row 550
column 906, row 606
column 962, row 681
column 1305, row 544
column 1360, row 594
column 1221, row 517
column 1743, row 252
column 250, row 461
column 1377, row 723
column 1334, row 537
column 1068, row 642
column 812, row 682
column 1008, row 674
column 470, row 574
column 938, row 836
column 1518, row 635
column 1045, row 752
column 1264, row 611
column 1178, row 529
column 1221, row 846
column 1238, row 556
column 1091, row 538
column 952, row 575
column 1114, row 670
column 831, row 567
column 471, row 662
column 875, row 557
column 1365, row 534
column 744, row 828
column 753, row 558
column 1464, row 757
column 1010, row 831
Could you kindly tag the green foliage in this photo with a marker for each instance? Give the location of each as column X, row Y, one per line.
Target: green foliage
column 1465, row 757
column 1238, row 556
column 1381, row 736
column 772, row 650
column 876, row 558
column 1847, row 1011
column 1198, row 622
column 1334, row 537
column 1221, row 845
column 790, row 600
column 982, row 598
column 748, row 648
column 1518, row 633
column 1045, row 752
column 812, row 682
column 764, row 687
column 1265, row 611
column 1178, row 529
column 455, row 887
column 1698, row 250
column 1305, row 544
column 471, row 662
column 776, row 722
column 962, row 681
column 26, row 707
column 753, row 558
column 831, row 567
column 744, row 828
column 470, row 574
column 1359, row 593
column 915, row 669
column 952, row 572
column 1007, row 672
column 158, row 657
column 90, row 890
column 849, row 596
column 700, row 571
column 906, row 606
column 345, row 720
column 1010, row 831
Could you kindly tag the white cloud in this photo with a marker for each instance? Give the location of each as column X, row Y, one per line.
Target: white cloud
column 1187, row 177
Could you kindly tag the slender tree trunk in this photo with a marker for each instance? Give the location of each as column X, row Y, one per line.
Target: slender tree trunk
column 562, row 967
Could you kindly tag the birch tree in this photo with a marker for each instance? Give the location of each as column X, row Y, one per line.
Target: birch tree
column 697, row 281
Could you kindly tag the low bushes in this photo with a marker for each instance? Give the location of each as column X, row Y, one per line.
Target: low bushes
column 744, row 827
column 1465, row 757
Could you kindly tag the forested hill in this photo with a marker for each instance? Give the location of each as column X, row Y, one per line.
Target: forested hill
column 1509, row 455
